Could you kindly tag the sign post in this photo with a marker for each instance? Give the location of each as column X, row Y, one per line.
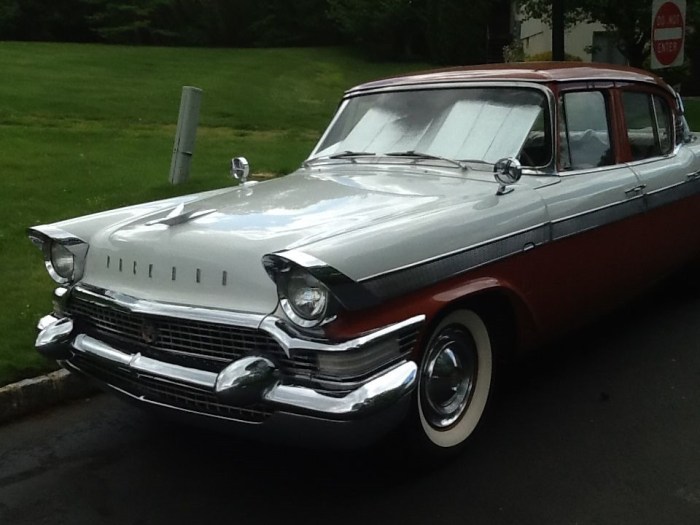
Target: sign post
column 667, row 33
column 185, row 134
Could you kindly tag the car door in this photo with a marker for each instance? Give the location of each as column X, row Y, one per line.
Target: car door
column 593, row 206
column 668, row 171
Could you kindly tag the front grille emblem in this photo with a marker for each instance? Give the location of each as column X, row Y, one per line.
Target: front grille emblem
column 149, row 333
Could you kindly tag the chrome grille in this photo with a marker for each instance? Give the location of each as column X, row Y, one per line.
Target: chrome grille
column 211, row 345
column 168, row 392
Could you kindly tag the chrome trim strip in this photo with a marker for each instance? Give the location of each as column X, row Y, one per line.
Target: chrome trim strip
column 602, row 216
column 457, row 252
column 418, row 275
column 143, row 306
column 677, row 192
column 423, row 274
column 272, row 326
column 49, row 232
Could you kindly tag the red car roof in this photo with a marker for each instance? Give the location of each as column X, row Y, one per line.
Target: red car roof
column 542, row 72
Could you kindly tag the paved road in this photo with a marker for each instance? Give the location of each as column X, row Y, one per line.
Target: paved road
column 604, row 431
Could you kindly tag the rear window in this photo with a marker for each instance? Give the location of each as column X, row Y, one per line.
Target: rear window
column 649, row 124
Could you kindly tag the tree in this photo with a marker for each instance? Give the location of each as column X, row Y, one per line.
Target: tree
column 385, row 28
column 444, row 31
column 44, row 20
column 130, row 21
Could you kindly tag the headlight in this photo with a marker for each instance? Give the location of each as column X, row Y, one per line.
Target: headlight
column 62, row 261
column 304, row 298
column 64, row 253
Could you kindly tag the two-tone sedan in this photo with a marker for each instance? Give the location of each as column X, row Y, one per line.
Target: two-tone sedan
column 445, row 222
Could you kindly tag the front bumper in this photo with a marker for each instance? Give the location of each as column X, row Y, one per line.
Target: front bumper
column 248, row 395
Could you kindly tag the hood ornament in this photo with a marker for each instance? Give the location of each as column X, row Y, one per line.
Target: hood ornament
column 180, row 216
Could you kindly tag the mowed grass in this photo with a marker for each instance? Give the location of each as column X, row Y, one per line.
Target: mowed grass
column 85, row 128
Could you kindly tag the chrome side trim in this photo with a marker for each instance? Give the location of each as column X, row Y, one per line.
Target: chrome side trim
column 416, row 276
column 423, row 274
column 273, row 326
column 603, row 216
column 682, row 190
column 143, row 306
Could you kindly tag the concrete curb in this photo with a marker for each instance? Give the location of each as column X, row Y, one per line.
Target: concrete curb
column 32, row 395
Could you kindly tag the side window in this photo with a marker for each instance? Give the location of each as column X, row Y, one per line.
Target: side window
column 585, row 136
column 648, row 121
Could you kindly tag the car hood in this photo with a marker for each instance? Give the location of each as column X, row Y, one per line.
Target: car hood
column 207, row 252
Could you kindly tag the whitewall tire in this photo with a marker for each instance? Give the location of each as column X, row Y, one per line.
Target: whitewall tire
column 455, row 381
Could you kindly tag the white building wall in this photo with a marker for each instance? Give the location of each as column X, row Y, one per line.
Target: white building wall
column 536, row 37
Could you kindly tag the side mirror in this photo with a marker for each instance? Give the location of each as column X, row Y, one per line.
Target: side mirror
column 507, row 171
column 240, row 169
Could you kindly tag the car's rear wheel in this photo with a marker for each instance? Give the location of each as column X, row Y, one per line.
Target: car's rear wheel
column 455, row 382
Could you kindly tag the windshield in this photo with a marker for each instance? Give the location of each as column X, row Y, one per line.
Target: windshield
column 465, row 124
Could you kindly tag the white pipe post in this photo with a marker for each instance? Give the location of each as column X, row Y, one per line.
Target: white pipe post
column 186, row 134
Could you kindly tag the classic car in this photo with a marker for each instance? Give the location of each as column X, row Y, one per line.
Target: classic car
column 445, row 223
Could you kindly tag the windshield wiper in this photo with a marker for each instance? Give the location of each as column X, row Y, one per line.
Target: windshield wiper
column 342, row 155
column 427, row 156
column 349, row 154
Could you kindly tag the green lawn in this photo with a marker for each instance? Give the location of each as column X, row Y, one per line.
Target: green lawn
column 85, row 128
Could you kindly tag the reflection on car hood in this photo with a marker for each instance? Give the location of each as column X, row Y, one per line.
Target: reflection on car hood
column 179, row 256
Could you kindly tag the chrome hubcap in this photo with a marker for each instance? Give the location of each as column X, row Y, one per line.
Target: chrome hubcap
column 449, row 375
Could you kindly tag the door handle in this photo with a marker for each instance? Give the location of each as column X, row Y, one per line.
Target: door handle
column 693, row 176
column 637, row 190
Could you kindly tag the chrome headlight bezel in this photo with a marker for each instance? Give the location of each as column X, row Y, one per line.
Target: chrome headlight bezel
column 343, row 293
column 64, row 254
column 297, row 286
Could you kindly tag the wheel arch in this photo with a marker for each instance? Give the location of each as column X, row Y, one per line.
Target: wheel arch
column 508, row 318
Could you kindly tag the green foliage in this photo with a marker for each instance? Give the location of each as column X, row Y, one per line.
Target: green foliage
column 445, row 31
column 129, row 21
column 456, row 32
column 44, row 20
column 382, row 27
column 547, row 57
column 514, row 52
column 240, row 23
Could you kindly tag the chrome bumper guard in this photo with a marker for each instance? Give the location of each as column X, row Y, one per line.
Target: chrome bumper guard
column 247, row 380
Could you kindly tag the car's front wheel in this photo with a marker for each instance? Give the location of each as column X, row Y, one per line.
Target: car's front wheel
column 455, row 381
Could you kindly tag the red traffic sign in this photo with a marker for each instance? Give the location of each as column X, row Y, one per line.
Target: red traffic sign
column 668, row 34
